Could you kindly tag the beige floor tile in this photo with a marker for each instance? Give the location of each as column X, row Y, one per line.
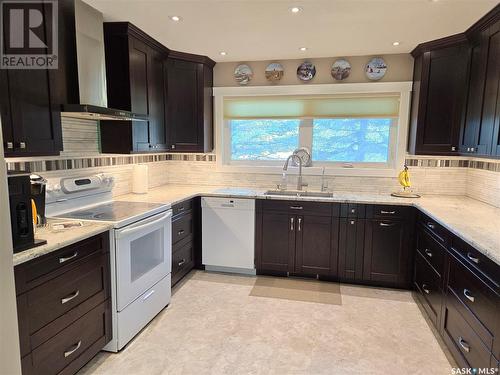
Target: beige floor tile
column 214, row 326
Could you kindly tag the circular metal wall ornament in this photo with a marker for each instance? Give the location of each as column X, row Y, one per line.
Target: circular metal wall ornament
column 243, row 74
column 274, row 72
column 376, row 68
column 304, row 154
column 306, row 71
column 341, row 69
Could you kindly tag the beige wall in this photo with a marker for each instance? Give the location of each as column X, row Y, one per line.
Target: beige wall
column 400, row 68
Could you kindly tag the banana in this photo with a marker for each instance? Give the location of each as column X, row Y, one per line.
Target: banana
column 404, row 177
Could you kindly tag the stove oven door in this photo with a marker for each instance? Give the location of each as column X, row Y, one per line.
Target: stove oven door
column 143, row 256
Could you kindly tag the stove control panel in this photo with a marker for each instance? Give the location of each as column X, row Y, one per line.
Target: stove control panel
column 67, row 188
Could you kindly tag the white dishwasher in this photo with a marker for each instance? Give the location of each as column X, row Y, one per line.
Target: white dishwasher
column 228, row 228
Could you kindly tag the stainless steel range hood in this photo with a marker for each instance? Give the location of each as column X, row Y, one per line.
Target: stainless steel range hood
column 89, row 38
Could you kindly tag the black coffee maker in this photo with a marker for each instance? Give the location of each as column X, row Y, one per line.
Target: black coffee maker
column 38, row 186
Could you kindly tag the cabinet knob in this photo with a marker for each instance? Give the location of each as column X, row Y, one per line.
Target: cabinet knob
column 172, row 147
column 22, row 145
column 453, row 148
column 10, row 145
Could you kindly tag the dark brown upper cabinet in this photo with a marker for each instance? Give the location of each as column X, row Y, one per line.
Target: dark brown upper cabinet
column 455, row 103
column 189, row 102
column 440, row 81
column 479, row 135
column 135, row 82
column 31, row 122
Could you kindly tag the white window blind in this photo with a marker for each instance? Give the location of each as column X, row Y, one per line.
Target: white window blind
column 300, row 107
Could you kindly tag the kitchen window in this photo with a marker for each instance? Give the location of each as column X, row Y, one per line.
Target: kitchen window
column 360, row 131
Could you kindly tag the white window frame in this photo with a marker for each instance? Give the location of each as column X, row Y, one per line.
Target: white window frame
column 399, row 136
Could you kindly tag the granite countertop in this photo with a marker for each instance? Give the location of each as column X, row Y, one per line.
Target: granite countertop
column 477, row 223
column 58, row 239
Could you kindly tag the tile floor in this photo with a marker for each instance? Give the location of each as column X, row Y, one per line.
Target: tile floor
column 214, row 326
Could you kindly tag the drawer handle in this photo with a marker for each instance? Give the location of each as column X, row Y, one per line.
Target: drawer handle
column 148, row 295
column 473, row 258
column 229, row 205
column 465, row 346
column 425, row 289
column 387, row 212
column 296, row 207
column 70, row 297
column 428, row 253
column 180, row 232
column 181, row 263
column 291, row 224
column 468, row 295
column 387, row 224
column 62, row 260
column 353, row 210
column 352, row 222
column 181, row 208
column 74, row 349
column 431, row 225
column 300, row 221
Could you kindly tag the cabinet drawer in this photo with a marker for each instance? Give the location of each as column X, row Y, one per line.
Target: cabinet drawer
column 431, row 250
column 479, row 298
column 428, row 283
column 353, row 210
column 182, row 207
column 61, row 294
column 31, row 274
column 182, row 262
column 90, row 331
column 439, row 233
column 388, row 211
column 465, row 345
column 298, row 207
column 476, row 259
column 182, row 227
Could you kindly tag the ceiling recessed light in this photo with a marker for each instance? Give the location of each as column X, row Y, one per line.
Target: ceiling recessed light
column 175, row 18
column 395, row 43
column 222, row 53
column 295, row 9
column 303, row 48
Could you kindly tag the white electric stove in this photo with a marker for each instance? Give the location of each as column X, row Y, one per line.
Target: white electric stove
column 141, row 248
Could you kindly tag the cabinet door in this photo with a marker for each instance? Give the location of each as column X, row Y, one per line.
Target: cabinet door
column 5, row 114
column 184, row 110
column 443, row 98
column 351, row 242
column 277, row 247
column 482, row 117
column 37, row 122
column 314, row 252
column 157, row 102
column 386, row 252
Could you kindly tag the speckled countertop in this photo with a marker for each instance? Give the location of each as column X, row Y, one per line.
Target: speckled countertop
column 58, row 239
column 475, row 222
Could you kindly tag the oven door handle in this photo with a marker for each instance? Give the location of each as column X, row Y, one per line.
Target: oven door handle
column 143, row 225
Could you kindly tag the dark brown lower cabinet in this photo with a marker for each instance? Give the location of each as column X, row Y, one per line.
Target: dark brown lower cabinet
column 185, row 238
column 459, row 290
column 386, row 252
column 316, row 246
column 351, row 249
column 64, row 307
column 296, row 238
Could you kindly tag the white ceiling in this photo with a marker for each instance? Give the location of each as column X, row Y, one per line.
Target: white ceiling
column 267, row 30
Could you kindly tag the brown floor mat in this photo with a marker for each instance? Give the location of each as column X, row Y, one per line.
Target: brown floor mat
column 297, row 290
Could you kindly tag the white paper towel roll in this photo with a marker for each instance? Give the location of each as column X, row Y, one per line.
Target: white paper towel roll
column 140, row 179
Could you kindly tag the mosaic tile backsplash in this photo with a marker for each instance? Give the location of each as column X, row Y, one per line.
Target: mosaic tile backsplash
column 477, row 178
